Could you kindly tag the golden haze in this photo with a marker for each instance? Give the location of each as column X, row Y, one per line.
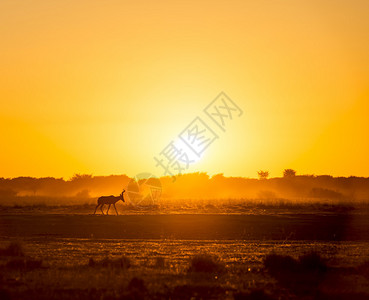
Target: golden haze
column 100, row 88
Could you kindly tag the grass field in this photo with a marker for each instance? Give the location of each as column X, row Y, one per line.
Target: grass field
column 184, row 256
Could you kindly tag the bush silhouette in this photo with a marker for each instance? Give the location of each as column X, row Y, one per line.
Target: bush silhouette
column 137, row 284
column 122, row 263
column 279, row 265
column 263, row 174
column 24, row 264
column 205, row 263
column 253, row 295
column 302, row 275
column 289, row 173
column 14, row 249
column 312, row 262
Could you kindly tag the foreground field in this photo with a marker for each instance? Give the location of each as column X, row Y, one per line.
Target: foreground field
column 157, row 257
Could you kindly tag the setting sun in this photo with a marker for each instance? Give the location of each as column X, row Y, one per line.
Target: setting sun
column 184, row 149
column 104, row 87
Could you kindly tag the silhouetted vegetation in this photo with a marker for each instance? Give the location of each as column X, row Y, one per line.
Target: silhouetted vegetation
column 263, row 174
column 17, row 259
column 198, row 291
column 24, row 264
column 302, row 275
column 114, row 277
column 363, row 268
column 280, row 265
column 121, row 262
column 14, row 249
column 253, row 295
column 84, row 189
column 289, row 173
column 205, row 263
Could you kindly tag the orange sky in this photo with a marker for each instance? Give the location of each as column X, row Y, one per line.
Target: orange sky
column 101, row 87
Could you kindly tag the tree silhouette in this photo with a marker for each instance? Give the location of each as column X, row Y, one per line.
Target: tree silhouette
column 263, row 174
column 289, row 173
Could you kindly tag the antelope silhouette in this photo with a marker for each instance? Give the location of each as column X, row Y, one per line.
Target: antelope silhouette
column 109, row 200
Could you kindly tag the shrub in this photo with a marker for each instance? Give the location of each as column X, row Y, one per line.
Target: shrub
column 364, row 268
column 91, row 262
column 312, row 262
column 253, row 295
column 136, row 289
column 24, row 264
column 263, row 174
column 14, row 249
column 302, row 275
column 122, row 263
column 205, row 263
column 198, row 291
column 289, row 173
column 137, row 284
column 279, row 264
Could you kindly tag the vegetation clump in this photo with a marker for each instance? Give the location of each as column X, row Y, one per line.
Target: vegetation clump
column 24, row 264
column 253, row 295
column 363, row 268
column 279, row 265
column 136, row 289
column 14, row 249
column 288, row 173
column 137, row 285
column 205, row 263
column 198, row 291
column 312, row 262
column 302, row 275
column 121, row 263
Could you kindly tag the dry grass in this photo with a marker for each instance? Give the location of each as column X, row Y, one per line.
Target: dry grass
column 126, row 278
column 54, row 267
column 167, row 206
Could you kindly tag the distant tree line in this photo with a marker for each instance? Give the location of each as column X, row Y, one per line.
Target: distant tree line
column 189, row 186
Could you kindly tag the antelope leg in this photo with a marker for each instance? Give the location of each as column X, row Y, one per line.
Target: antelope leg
column 115, row 209
column 108, row 209
column 101, row 208
column 96, row 208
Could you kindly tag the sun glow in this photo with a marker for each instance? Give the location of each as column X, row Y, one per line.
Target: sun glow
column 186, row 155
column 104, row 93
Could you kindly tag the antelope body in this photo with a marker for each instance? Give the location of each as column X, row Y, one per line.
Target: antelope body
column 109, row 200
